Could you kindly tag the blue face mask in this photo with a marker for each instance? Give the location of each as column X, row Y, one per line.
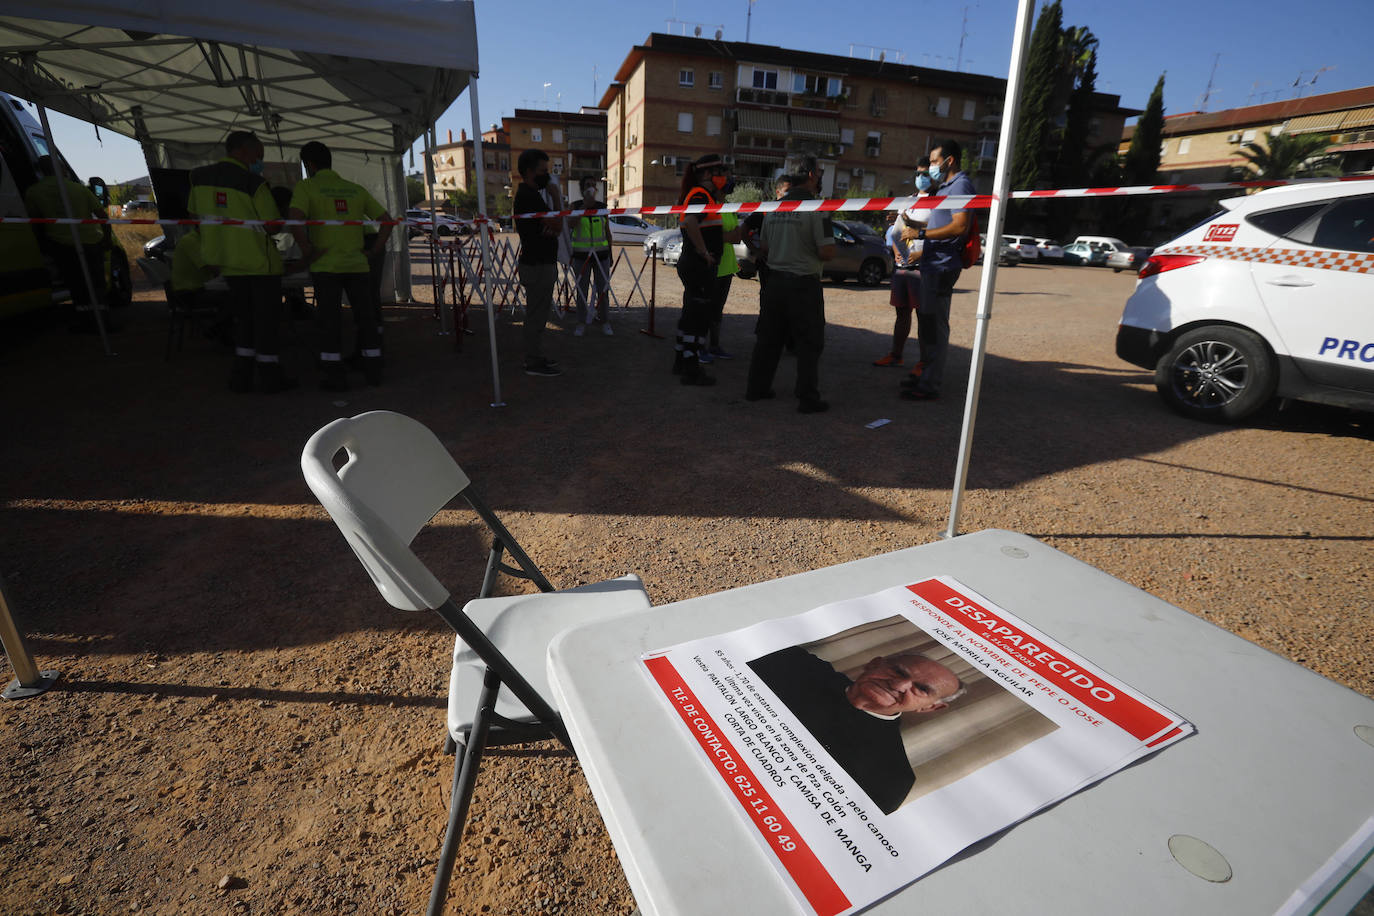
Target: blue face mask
column 923, row 182
column 936, row 173
column 256, row 167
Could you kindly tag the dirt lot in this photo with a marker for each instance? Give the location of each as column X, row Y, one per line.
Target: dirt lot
column 243, row 725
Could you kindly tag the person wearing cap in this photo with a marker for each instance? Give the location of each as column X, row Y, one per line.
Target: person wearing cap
column 338, row 264
column 703, row 239
column 905, row 296
column 792, row 305
column 246, row 256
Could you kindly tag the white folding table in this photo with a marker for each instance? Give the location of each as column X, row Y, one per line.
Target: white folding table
column 1277, row 778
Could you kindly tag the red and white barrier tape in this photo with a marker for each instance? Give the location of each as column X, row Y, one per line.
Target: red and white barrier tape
column 845, row 205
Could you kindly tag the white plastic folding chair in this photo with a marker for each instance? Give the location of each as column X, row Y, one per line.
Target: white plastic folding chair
column 394, row 477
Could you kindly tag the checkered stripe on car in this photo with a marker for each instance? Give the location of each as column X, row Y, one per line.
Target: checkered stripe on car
column 1354, row 261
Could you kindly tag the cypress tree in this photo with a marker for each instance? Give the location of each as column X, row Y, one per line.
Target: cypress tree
column 1042, row 78
column 1142, row 158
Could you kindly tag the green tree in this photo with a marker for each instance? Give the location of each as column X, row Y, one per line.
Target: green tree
column 415, row 189
column 1079, row 61
column 1042, row 78
column 1142, row 157
column 1290, row 156
column 464, row 202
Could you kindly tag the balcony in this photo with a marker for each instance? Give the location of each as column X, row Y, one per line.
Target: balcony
column 750, row 96
column 747, row 142
column 811, row 102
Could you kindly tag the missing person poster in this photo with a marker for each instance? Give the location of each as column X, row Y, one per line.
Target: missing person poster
column 869, row 740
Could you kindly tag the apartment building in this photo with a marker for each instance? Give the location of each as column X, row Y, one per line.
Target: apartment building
column 675, row 98
column 575, row 142
column 1200, row 147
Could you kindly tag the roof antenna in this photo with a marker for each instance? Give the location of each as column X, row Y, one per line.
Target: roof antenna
column 1207, row 94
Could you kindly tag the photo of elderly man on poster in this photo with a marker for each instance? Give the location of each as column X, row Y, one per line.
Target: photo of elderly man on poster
column 901, row 714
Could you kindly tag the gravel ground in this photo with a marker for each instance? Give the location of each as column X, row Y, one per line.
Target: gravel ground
column 243, row 725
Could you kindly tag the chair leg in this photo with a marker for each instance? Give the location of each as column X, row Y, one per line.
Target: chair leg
column 464, row 780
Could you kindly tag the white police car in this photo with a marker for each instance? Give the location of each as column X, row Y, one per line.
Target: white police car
column 1274, row 296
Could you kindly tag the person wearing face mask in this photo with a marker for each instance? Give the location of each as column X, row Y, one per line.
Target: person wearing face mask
column 941, row 262
column 538, row 265
column 703, row 239
column 246, row 256
column 906, row 279
column 591, row 256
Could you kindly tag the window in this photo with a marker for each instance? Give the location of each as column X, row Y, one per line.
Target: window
column 713, row 125
column 1247, row 137
column 1164, row 149
column 870, row 180
column 557, row 135
column 1285, row 221
column 684, row 122
column 1347, row 226
column 877, row 105
column 874, row 143
column 969, row 107
column 842, row 181
column 817, row 85
column 716, row 80
column 847, row 136
column 687, row 77
column 942, row 107
column 536, row 134
column 765, row 79
column 1183, row 145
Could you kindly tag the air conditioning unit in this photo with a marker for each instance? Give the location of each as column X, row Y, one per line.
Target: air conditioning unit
column 858, row 172
column 668, row 160
column 728, row 159
column 873, row 152
column 934, row 107
column 1233, row 138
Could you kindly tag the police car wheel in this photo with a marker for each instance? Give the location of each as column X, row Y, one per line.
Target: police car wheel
column 121, row 289
column 1219, row 374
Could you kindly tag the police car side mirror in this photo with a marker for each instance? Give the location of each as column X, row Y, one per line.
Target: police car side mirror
column 101, row 192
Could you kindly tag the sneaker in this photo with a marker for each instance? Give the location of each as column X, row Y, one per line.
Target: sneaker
column 888, row 360
column 817, row 406
column 705, row 358
column 606, row 330
column 543, row 368
column 719, row 353
column 917, row 369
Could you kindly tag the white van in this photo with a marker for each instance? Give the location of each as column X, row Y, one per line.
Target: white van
column 1103, row 241
column 1269, row 298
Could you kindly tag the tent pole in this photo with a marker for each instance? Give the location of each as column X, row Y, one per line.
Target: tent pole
column 1001, row 189
column 98, row 305
column 480, row 178
column 431, row 142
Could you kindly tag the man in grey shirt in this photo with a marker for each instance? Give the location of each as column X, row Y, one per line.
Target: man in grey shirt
column 791, row 304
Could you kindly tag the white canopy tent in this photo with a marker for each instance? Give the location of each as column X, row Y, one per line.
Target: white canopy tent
column 365, row 77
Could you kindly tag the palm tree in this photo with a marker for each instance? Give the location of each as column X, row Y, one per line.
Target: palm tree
column 1290, row 156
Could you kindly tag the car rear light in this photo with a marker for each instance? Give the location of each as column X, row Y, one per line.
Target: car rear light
column 1159, row 263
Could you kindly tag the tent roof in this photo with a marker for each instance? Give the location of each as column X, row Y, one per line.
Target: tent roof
column 362, row 75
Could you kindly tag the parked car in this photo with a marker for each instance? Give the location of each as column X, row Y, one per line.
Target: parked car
column 1008, row 255
column 1083, row 254
column 419, row 223
column 1266, row 298
column 1131, row 259
column 859, row 253
column 672, row 252
column 1103, row 241
column 660, row 241
column 630, row 229
column 1050, row 250
column 1025, row 244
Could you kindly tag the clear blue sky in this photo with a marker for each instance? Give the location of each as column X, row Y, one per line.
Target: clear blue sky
column 1265, row 46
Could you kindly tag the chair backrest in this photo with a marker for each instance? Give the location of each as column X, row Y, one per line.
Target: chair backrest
column 395, row 477
column 158, row 273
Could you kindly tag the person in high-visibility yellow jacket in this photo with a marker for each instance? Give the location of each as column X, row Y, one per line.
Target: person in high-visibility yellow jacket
column 338, row 263
column 591, row 254
column 44, row 199
column 246, row 256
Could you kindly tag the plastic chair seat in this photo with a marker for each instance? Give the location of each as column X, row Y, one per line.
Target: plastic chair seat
column 522, row 627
